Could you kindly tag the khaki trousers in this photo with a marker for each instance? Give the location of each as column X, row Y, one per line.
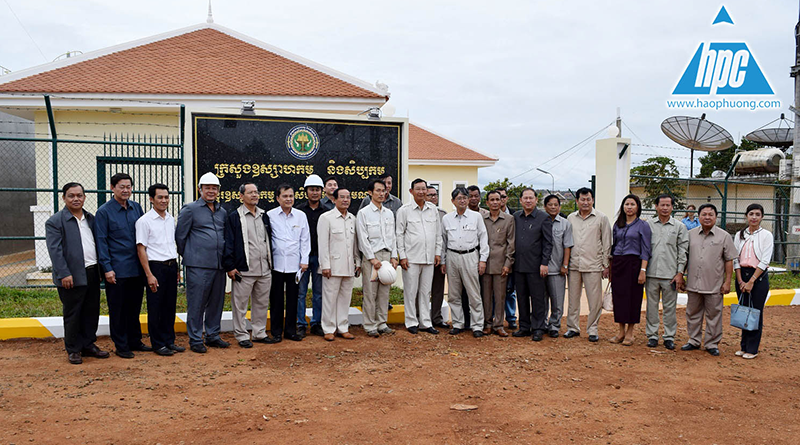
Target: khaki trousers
column 462, row 273
column 593, row 283
column 336, row 295
column 709, row 306
column 375, row 307
column 494, row 300
column 658, row 288
column 417, row 282
column 255, row 290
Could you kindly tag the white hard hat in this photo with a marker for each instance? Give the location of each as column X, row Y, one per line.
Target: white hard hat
column 387, row 274
column 208, row 179
column 314, row 181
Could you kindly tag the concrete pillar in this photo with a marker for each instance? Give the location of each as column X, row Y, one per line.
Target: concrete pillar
column 613, row 174
column 40, row 216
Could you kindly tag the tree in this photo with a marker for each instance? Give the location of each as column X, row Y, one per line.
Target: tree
column 668, row 180
column 514, row 191
column 721, row 160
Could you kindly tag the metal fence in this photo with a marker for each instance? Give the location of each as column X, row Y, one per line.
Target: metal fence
column 730, row 196
column 34, row 166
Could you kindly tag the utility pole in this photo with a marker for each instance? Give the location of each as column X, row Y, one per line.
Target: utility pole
column 793, row 251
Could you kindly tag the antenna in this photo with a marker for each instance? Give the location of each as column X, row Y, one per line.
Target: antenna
column 696, row 134
column 210, row 18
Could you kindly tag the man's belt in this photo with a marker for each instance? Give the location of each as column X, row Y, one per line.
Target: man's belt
column 168, row 263
column 463, row 252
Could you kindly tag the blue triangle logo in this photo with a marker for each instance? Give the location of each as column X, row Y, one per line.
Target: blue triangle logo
column 723, row 17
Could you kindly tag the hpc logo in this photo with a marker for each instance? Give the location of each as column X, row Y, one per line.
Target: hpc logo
column 723, row 68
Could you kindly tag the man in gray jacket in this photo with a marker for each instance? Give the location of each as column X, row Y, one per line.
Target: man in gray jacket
column 70, row 243
column 200, row 237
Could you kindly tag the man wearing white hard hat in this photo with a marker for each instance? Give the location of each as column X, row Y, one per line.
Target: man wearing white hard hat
column 376, row 240
column 313, row 209
column 200, row 237
column 419, row 245
column 466, row 249
column 338, row 260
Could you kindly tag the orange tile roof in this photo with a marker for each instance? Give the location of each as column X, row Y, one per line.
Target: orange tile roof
column 423, row 144
column 205, row 61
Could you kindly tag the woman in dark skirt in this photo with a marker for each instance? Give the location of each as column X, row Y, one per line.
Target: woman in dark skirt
column 630, row 253
column 754, row 245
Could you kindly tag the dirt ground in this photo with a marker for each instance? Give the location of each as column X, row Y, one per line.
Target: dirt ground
column 400, row 389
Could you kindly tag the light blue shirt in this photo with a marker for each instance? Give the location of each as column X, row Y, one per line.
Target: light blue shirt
column 291, row 242
column 690, row 223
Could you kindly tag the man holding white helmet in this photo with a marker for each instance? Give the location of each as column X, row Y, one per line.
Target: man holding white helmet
column 313, row 210
column 376, row 240
column 200, row 237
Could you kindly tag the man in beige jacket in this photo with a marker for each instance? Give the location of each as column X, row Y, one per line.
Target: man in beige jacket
column 338, row 255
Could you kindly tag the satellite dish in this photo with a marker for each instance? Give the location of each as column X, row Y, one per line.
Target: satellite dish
column 613, row 131
column 718, row 174
column 781, row 136
column 696, row 133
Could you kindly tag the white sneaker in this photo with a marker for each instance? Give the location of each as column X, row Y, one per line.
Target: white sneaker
column 749, row 356
column 739, row 353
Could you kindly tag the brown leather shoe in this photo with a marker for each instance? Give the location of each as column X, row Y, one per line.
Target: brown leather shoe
column 75, row 358
column 501, row 332
column 347, row 336
column 487, row 331
column 328, row 337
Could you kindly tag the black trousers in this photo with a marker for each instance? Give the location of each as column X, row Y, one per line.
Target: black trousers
column 81, row 311
column 124, row 306
column 437, row 295
column 758, row 296
column 532, row 301
column 283, row 283
column 161, row 304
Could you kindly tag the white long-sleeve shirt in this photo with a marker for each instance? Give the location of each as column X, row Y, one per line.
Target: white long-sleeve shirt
column 419, row 233
column 375, row 230
column 291, row 242
column 464, row 232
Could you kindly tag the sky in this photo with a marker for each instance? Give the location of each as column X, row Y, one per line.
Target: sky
column 520, row 80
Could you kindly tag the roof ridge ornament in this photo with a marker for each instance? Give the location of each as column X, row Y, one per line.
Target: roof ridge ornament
column 210, row 18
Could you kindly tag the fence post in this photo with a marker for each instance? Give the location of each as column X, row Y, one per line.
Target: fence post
column 54, row 144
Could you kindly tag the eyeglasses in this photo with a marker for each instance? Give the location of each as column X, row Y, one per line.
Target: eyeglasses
column 431, row 195
column 503, row 196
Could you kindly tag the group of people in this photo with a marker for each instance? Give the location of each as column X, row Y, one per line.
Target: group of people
column 496, row 264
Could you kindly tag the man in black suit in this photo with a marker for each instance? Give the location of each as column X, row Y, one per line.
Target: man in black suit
column 70, row 242
column 534, row 244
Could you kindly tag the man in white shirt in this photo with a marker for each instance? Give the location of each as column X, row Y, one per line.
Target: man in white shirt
column 419, row 245
column 376, row 240
column 338, row 262
column 466, row 248
column 291, row 246
column 155, row 244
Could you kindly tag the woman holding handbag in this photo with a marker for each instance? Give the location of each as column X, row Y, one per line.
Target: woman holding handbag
column 754, row 247
column 630, row 253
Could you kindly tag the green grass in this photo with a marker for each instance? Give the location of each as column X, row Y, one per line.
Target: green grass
column 44, row 302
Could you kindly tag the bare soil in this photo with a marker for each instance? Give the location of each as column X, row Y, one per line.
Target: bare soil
column 400, row 389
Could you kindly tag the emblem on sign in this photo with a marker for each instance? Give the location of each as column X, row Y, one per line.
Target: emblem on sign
column 302, row 142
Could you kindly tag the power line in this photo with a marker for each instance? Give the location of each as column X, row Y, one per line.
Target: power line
column 26, row 31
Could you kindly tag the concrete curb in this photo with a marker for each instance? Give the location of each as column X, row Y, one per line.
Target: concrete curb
column 43, row 327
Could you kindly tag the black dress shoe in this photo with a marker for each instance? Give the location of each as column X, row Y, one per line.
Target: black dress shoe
column 689, row 347
column 75, row 358
column 455, row 331
column 301, row 331
column 94, row 351
column 512, row 325
column 713, row 351
column 124, row 354
column 217, row 343
column 390, row 306
column 245, row 344
column 553, row 333
column 295, row 337
column 317, row 330
column 266, row 340
column 441, row 325
column 669, row 344
column 199, row 348
column 141, row 347
column 537, row 336
column 652, row 343
column 413, row 330
column 431, row 330
column 570, row 334
column 594, row 338
column 165, row 351
column 522, row 333
column 477, row 334
column 177, row 348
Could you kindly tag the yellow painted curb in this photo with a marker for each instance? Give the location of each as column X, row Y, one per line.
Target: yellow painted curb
column 781, row 297
column 22, row 328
